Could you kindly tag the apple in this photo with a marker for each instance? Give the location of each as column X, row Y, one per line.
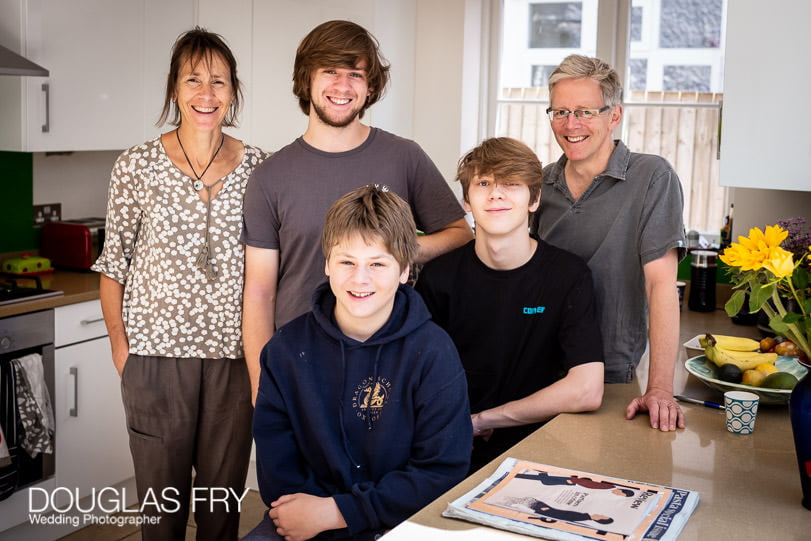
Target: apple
column 787, row 348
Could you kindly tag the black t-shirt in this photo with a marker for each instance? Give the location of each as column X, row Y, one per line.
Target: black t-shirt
column 516, row 330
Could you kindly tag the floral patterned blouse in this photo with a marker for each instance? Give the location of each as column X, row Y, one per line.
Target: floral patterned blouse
column 156, row 226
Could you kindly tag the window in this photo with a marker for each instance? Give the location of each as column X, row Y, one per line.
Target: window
column 638, row 74
column 636, row 24
column 690, row 24
column 686, row 78
column 541, row 33
column 555, row 25
column 680, row 44
column 540, row 75
column 672, row 56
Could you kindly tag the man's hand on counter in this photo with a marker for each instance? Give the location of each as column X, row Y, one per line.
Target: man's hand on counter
column 665, row 412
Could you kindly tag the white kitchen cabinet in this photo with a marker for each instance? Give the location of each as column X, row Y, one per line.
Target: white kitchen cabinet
column 92, row 445
column 766, row 96
column 279, row 27
column 234, row 20
column 108, row 62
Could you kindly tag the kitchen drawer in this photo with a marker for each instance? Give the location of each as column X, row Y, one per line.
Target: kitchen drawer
column 78, row 322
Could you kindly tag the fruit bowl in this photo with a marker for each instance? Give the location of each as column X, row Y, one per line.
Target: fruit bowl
column 705, row 370
column 693, row 347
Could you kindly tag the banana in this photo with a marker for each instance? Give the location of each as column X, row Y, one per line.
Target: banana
column 730, row 343
column 745, row 360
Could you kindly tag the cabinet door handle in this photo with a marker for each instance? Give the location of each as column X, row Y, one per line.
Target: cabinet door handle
column 74, row 411
column 47, row 126
column 91, row 321
column 720, row 122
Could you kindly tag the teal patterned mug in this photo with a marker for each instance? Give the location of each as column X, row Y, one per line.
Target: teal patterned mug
column 741, row 411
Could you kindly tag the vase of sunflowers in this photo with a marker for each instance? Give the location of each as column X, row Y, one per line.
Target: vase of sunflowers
column 772, row 274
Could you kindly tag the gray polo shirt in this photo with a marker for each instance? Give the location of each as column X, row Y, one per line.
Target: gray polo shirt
column 629, row 215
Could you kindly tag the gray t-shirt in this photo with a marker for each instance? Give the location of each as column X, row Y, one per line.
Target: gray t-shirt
column 629, row 215
column 289, row 195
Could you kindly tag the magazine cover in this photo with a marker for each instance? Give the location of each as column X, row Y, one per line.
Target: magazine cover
column 557, row 503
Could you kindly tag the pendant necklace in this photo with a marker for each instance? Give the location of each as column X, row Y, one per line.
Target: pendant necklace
column 204, row 261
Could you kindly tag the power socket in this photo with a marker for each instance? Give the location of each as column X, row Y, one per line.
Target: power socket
column 51, row 212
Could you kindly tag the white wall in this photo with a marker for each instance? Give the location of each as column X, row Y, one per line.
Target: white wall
column 429, row 100
column 423, row 40
column 438, row 80
column 78, row 180
column 759, row 208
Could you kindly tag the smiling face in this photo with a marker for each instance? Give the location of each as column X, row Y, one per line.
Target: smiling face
column 337, row 95
column 584, row 141
column 204, row 93
column 500, row 207
column 364, row 278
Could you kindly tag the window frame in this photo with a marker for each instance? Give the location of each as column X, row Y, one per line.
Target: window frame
column 613, row 44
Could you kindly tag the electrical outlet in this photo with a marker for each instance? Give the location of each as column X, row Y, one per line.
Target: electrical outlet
column 51, row 212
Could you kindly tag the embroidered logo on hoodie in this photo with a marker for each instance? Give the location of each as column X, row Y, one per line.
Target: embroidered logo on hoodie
column 369, row 400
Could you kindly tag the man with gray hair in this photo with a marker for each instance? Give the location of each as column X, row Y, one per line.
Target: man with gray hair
column 622, row 213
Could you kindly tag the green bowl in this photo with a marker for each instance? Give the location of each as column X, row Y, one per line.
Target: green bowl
column 705, row 370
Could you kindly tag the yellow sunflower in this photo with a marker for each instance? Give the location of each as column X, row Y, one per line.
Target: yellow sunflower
column 781, row 264
column 752, row 252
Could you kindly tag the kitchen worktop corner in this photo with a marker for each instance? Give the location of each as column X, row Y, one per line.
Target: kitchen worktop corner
column 78, row 286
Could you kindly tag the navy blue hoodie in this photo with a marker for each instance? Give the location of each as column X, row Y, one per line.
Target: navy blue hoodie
column 383, row 426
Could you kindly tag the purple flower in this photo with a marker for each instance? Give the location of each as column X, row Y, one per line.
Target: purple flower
column 799, row 236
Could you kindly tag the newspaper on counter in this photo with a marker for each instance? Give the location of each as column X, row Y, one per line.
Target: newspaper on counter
column 568, row 505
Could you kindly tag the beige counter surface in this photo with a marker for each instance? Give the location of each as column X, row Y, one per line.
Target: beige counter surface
column 749, row 485
column 77, row 287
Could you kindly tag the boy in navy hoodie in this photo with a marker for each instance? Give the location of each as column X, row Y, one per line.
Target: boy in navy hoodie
column 362, row 416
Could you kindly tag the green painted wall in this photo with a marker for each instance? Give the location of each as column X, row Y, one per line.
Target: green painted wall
column 721, row 275
column 17, row 202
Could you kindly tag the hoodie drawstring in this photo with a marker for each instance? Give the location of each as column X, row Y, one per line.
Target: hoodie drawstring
column 369, row 424
column 341, row 409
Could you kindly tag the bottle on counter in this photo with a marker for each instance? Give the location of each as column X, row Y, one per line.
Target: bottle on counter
column 702, row 281
column 692, row 240
column 726, row 230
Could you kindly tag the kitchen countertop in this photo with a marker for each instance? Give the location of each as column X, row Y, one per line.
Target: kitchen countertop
column 77, row 287
column 749, row 485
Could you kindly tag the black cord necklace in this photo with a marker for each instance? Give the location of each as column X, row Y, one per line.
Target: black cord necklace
column 204, row 261
column 199, row 184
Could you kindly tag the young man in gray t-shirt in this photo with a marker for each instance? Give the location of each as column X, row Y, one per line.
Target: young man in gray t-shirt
column 338, row 73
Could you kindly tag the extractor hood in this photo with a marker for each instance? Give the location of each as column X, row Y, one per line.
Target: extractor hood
column 13, row 64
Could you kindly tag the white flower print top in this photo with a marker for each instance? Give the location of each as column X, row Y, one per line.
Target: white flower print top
column 155, row 230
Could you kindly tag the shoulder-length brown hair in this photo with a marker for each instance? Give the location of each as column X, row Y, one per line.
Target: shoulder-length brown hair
column 504, row 158
column 339, row 44
column 199, row 45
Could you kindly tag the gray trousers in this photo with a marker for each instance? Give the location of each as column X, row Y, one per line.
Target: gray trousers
column 182, row 415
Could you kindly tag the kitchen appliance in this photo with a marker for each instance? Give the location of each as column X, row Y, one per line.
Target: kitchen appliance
column 14, row 288
column 73, row 244
column 702, row 281
column 13, row 64
column 27, row 264
column 19, row 336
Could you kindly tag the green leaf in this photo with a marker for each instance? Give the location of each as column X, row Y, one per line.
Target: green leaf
column 735, row 303
column 807, row 306
column 792, row 317
column 777, row 325
column 800, row 277
column 759, row 295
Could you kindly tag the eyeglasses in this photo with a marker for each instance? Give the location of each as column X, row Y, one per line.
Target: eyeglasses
column 560, row 115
